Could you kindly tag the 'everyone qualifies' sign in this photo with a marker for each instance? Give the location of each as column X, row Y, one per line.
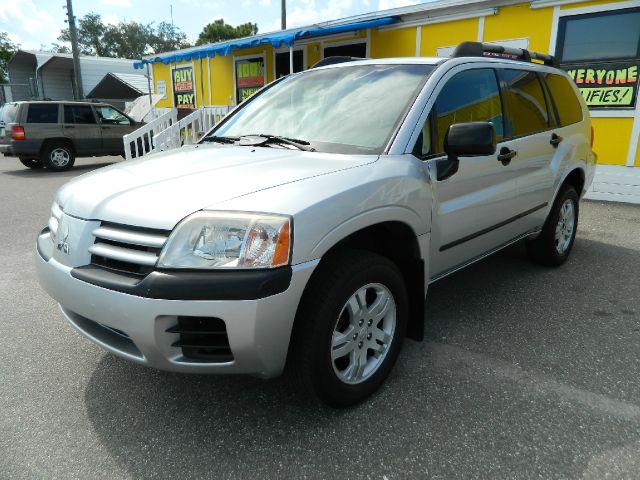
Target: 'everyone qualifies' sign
column 606, row 85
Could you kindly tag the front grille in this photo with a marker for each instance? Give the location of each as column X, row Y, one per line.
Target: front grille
column 203, row 338
column 127, row 249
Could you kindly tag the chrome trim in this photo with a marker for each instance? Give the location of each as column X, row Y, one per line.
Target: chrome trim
column 124, row 236
column 53, row 225
column 123, row 254
column 56, row 211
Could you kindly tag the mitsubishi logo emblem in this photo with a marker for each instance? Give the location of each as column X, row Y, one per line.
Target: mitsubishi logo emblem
column 63, row 246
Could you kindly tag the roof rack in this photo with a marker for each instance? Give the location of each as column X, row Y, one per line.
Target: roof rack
column 478, row 49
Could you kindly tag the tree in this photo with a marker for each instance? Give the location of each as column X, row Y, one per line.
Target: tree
column 7, row 49
column 124, row 40
column 167, row 37
column 218, row 31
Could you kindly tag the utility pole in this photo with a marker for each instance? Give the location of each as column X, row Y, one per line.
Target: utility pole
column 73, row 33
column 283, row 14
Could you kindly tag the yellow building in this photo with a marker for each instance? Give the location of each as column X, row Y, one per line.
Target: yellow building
column 597, row 42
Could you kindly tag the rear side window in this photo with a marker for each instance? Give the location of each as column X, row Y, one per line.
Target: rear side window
column 9, row 112
column 567, row 105
column 43, row 113
column 78, row 114
column 527, row 107
column 469, row 96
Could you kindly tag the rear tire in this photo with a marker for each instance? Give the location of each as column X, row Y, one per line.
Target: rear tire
column 349, row 327
column 34, row 163
column 58, row 157
column 553, row 246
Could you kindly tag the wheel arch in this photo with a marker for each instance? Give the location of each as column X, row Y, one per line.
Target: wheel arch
column 576, row 178
column 398, row 242
column 56, row 140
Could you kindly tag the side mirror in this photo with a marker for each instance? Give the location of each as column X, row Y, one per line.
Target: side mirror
column 468, row 139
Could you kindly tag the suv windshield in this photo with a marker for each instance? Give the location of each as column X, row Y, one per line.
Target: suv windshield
column 349, row 109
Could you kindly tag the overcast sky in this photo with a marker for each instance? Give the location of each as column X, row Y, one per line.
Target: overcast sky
column 33, row 23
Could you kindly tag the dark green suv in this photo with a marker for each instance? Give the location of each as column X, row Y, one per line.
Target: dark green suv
column 52, row 133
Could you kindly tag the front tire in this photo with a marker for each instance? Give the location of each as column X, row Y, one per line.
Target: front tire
column 553, row 246
column 58, row 157
column 349, row 327
column 34, row 163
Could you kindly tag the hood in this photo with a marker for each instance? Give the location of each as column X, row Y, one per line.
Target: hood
column 160, row 190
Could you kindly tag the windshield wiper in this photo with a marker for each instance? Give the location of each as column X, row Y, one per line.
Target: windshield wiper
column 264, row 139
column 217, row 139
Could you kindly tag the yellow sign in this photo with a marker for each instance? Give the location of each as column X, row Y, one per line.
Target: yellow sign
column 607, row 96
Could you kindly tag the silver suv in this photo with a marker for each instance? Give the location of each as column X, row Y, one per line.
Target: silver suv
column 51, row 134
column 303, row 231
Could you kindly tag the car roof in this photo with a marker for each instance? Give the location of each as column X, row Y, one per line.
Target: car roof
column 437, row 61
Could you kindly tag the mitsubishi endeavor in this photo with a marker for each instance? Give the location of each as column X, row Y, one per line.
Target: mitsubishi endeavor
column 302, row 232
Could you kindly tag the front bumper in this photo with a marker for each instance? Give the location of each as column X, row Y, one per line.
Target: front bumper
column 135, row 327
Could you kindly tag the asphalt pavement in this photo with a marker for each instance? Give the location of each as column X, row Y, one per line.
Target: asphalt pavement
column 526, row 372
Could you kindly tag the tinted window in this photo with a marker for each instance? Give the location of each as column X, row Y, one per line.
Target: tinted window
column 43, row 113
column 526, row 103
column 470, row 96
column 598, row 36
column 78, row 114
column 567, row 104
column 111, row 116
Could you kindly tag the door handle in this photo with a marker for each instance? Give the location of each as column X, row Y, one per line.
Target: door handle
column 506, row 155
column 555, row 140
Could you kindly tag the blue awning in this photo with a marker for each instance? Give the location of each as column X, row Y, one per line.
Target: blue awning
column 276, row 40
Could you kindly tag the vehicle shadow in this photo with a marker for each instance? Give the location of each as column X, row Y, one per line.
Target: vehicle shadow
column 448, row 397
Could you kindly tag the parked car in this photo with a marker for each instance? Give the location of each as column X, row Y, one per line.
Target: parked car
column 52, row 134
column 304, row 230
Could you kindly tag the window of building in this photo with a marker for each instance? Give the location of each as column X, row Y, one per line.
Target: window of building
column 527, row 107
column 78, row 114
column 249, row 77
column 282, row 63
column 567, row 106
column 43, row 113
column 469, row 96
column 597, row 36
column 358, row 50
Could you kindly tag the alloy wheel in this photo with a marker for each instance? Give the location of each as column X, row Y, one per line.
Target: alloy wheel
column 565, row 226
column 363, row 333
column 59, row 157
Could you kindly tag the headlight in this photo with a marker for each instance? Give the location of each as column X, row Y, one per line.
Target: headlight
column 228, row 240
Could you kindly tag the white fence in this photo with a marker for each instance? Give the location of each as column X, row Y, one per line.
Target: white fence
column 190, row 129
column 140, row 142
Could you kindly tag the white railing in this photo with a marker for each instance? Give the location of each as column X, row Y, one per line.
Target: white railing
column 140, row 142
column 190, row 129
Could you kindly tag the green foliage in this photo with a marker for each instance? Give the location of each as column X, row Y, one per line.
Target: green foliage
column 124, row 40
column 7, row 49
column 218, row 31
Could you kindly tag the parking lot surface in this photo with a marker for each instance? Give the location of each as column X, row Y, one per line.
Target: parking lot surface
column 526, row 372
